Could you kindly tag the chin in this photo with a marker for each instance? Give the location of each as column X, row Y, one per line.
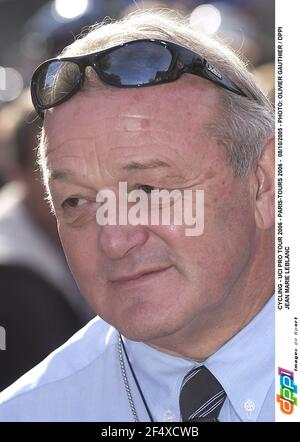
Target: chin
column 143, row 334
column 149, row 314
column 149, row 327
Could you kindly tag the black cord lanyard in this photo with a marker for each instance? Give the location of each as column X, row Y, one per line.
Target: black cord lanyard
column 136, row 381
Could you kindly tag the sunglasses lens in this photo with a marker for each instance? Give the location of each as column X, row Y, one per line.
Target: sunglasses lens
column 136, row 64
column 55, row 81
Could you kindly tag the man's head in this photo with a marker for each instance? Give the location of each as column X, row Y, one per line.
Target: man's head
column 189, row 134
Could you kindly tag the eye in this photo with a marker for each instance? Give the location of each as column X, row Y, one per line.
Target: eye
column 146, row 188
column 73, row 202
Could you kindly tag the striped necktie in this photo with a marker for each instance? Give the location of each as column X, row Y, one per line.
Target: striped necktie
column 201, row 396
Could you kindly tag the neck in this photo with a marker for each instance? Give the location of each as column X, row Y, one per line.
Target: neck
column 214, row 327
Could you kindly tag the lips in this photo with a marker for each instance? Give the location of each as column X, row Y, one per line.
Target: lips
column 138, row 276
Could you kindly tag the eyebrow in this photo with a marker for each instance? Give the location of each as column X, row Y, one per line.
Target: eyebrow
column 66, row 174
column 60, row 174
column 151, row 164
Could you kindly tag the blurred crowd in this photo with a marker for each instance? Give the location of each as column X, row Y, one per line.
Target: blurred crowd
column 40, row 304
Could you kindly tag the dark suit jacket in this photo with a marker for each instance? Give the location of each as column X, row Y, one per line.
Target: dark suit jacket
column 37, row 319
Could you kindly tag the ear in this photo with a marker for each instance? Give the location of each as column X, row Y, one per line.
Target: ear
column 265, row 187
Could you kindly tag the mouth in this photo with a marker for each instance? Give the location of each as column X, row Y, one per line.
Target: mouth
column 141, row 277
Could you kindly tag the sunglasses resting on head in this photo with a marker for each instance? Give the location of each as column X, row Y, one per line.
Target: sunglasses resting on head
column 137, row 63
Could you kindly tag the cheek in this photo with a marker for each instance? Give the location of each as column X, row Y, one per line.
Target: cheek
column 232, row 214
column 214, row 258
column 80, row 247
column 228, row 237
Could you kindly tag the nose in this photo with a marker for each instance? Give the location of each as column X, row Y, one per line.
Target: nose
column 118, row 240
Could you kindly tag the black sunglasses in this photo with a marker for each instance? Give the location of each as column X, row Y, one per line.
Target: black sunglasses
column 137, row 63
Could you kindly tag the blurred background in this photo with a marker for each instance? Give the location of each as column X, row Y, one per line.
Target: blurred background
column 40, row 305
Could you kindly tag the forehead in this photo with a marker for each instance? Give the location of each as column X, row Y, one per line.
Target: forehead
column 190, row 101
column 164, row 119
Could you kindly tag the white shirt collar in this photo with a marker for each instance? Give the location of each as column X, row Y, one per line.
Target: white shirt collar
column 244, row 366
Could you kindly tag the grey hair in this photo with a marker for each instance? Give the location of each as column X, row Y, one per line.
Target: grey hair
column 244, row 124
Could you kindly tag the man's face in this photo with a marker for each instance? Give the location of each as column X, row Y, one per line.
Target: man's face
column 158, row 137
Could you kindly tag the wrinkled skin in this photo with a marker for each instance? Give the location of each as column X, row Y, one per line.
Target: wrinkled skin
column 208, row 287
